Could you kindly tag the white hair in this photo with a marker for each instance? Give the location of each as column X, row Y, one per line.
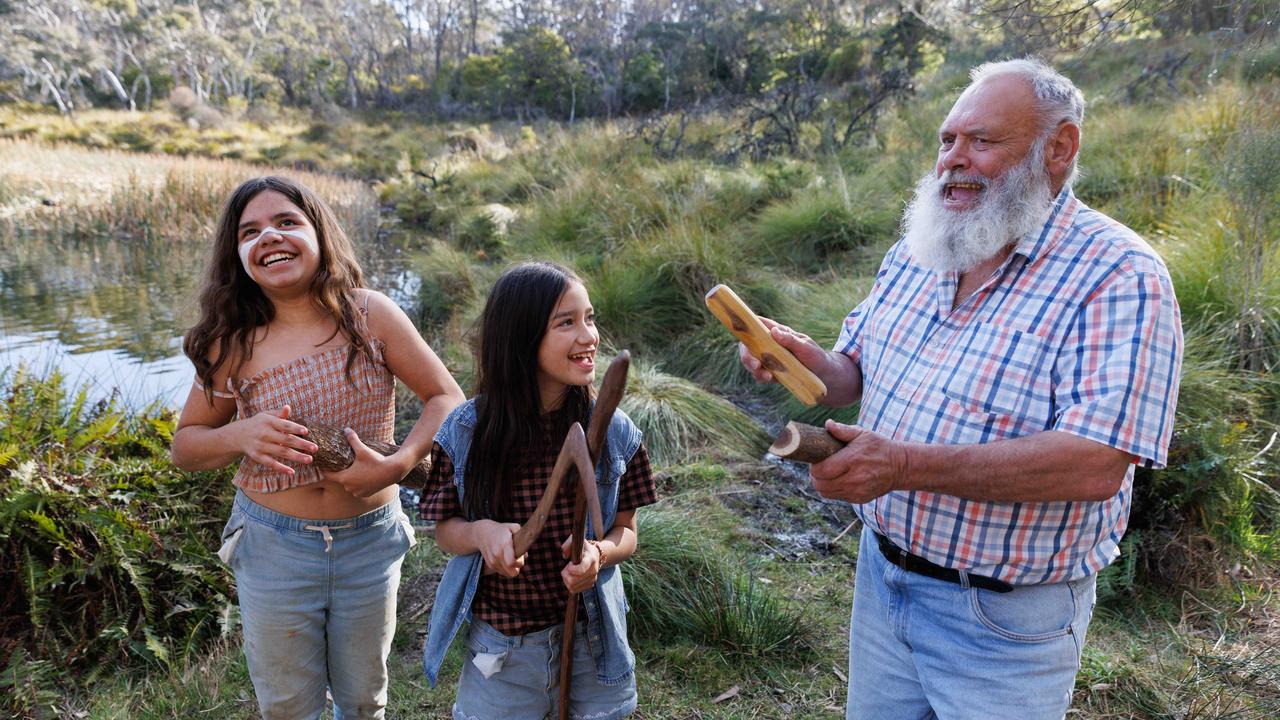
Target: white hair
column 1058, row 99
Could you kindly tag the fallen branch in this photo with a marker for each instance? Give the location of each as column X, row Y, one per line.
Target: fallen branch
column 805, row 443
column 335, row 452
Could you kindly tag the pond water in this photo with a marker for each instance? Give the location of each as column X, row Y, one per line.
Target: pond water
column 109, row 314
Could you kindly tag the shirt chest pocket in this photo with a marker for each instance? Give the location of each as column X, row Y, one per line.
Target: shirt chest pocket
column 998, row 370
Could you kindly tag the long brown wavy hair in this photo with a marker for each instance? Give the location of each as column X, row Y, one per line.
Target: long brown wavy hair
column 232, row 306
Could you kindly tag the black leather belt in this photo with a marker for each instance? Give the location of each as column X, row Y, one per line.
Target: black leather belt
column 920, row 566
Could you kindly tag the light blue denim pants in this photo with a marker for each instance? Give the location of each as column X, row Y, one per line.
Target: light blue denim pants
column 926, row 648
column 317, row 605
column 523, row 678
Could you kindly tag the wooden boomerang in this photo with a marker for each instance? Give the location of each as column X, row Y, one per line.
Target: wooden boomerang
column 573, row 456
column 611, row 390
column 581, row 457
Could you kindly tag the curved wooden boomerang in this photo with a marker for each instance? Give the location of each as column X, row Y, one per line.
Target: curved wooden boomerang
column 611, row 390
column 573, row 456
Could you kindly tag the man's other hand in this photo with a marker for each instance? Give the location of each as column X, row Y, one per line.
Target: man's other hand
column 869, row 466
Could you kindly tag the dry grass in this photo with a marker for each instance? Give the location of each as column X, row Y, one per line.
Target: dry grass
column 77, row 191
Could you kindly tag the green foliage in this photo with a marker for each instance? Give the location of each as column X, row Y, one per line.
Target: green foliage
column 677, row 417
column 420, row 204
column 644, row 82
column 1262, row 65
column 482, row 80
column 676, row 589
column 29, row 687
column 449, row 281
column 540, row 71
column 108, row 549
column 821, row 224
column 1216, row 499
column 480, row 234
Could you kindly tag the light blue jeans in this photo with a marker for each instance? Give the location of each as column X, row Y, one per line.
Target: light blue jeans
column 317, row 605
column 926, row 648
column 523, row 678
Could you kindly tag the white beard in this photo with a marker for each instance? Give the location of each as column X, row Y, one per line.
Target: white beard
column 1008, row 208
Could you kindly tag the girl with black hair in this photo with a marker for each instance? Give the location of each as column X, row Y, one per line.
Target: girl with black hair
column 490, row 464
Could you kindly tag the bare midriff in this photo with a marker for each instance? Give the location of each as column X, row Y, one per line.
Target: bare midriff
column 323, row 500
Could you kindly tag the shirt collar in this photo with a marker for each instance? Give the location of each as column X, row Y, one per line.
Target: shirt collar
column 1058, row 221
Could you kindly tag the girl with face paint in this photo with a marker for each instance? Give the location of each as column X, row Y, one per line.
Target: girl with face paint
column 287, row 332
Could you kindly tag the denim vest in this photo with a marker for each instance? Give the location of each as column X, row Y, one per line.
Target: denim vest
column 605, row 603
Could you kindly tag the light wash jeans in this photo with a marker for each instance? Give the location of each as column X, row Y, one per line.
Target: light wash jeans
column 523, row 681
column 926, row 648
column 318, row 606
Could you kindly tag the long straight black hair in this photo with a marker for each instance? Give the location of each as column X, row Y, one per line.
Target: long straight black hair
column 508, row 404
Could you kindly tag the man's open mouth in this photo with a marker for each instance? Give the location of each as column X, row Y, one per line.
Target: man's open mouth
column 961, row 191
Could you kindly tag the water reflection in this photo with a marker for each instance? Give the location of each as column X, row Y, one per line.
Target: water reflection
column 109, row 314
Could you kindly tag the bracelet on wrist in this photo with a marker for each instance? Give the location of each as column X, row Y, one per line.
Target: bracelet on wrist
column 599, row 551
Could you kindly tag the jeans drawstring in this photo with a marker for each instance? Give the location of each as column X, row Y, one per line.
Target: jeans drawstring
column 324, row 532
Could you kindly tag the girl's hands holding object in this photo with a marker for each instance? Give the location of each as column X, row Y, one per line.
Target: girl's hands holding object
column 494, row 539
column 269, row 438
column 371, row 472
column 581, row 576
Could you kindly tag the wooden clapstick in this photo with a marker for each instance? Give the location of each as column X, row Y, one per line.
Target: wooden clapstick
column 805, row 443
column 335, row 452
column 735, row 315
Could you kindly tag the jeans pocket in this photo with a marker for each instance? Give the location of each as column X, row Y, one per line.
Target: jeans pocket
column 482, row 639
column 1030, row 613
column 232, row 534
column 406, row 527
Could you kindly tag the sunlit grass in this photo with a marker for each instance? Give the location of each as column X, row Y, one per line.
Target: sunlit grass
column 678, row 418
column 69, row 191
column 679, row 590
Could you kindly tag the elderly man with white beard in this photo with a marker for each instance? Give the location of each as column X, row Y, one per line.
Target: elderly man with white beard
column 1017, row 356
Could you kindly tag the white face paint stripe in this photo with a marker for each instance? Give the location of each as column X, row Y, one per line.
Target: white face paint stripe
column 247, row 248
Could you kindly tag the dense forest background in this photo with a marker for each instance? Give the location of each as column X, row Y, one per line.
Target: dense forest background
column 562, row 60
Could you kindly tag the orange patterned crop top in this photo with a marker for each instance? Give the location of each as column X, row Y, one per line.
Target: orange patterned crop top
column 316, row 389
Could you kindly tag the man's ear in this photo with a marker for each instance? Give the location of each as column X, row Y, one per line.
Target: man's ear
column 1061, row 149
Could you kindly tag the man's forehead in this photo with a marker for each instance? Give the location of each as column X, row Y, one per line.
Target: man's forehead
column 1000, row 103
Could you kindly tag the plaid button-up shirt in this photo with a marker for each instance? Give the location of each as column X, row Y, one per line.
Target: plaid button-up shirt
column 1077, row 331
column 536, row 598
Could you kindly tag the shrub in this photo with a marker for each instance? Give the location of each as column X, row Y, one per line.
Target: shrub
column 107, row 552
column 449, row 282
column 1262, row 65
column 420, row 205
column 480, row 233
column 1214, row 503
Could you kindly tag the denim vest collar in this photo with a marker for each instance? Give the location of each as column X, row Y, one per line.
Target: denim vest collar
column 605, row 603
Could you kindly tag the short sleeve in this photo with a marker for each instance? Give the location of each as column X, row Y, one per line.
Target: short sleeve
column 1116, row 374
column 851, row 332
column 636, row 486
column 440, row 497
